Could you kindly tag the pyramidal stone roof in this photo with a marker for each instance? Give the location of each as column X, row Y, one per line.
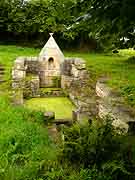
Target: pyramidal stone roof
column 51, row 48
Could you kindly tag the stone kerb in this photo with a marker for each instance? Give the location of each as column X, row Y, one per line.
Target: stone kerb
column 75, row 81
column 18, row 71
column 18, row 75
column 111, row 104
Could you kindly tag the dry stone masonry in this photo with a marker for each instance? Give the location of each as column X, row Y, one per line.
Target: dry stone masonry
column 111, row 104
column 30, row 75
column 75, row 81
column 50, row 69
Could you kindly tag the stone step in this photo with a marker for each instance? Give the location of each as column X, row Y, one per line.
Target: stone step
column 2, row 80
column 2, row 69
column 50, row 92
column 63, row 121
column 2, row 72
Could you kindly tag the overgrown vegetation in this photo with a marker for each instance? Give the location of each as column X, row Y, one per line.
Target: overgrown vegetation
column 98, row 152
column 62, row 106
column 90, row 151
column 24, row 142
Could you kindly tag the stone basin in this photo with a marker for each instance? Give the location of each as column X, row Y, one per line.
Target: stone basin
column 62, row 106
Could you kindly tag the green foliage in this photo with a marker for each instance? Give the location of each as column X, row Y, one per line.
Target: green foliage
column 128, row 93
column 97, row 25
column 131, row 60
column 26, row 151
column 99, row 146
column 24, row 143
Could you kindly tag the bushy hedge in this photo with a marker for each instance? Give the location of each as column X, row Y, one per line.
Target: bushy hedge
column 100, row 151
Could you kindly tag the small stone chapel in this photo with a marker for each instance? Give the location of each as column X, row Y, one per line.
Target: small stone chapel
column 49, row 69
column 32, row 74
column 50, row 60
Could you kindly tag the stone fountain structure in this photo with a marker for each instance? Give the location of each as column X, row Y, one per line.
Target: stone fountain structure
column 51, row 69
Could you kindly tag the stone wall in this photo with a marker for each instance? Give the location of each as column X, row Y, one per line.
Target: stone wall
column 32, row 65
column 111, row 104
column 22, row 69
column 91, row 99
column 18, row 76
column 75, row 81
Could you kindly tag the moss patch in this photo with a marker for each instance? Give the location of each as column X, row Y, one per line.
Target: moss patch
column 62, row 106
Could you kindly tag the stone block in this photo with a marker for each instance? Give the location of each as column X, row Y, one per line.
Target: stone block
column 18, row 74
column 79, row 63
column 49, row 117
column 31, row 88
column 66, row 81
column 18, row 97
column 32, row 65
column 17, row 84
column 35, row 84
column 19, row 63
column 74, row 72
column 112, row 104
column 102, row 90
column 75, row 115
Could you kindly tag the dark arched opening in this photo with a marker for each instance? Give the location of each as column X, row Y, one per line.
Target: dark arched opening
column 51, row 63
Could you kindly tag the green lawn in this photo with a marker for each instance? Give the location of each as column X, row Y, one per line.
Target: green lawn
column 62, row 106
column 8, row 54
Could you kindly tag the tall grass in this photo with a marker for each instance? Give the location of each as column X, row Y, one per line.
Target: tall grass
column 24, row 142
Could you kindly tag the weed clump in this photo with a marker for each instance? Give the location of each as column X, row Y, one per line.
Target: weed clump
column 131, row 60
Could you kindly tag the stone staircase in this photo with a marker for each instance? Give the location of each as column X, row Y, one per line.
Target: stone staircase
column 51, row 92
column 67, row 122
column 2, row 72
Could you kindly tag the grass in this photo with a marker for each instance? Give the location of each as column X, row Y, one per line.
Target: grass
column 8, row 54
column 62, row 106
column 24, row 142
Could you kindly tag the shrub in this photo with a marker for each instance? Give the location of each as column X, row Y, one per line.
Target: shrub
column 129, row 93
column 131, row 60
column 100, row 146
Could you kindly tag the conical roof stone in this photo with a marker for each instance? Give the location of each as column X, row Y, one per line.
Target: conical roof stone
column 50, row 46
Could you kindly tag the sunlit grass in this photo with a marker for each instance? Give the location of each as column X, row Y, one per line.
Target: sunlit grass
column 24, row 142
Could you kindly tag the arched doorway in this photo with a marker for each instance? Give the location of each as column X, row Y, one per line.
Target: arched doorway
column 51, row 65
